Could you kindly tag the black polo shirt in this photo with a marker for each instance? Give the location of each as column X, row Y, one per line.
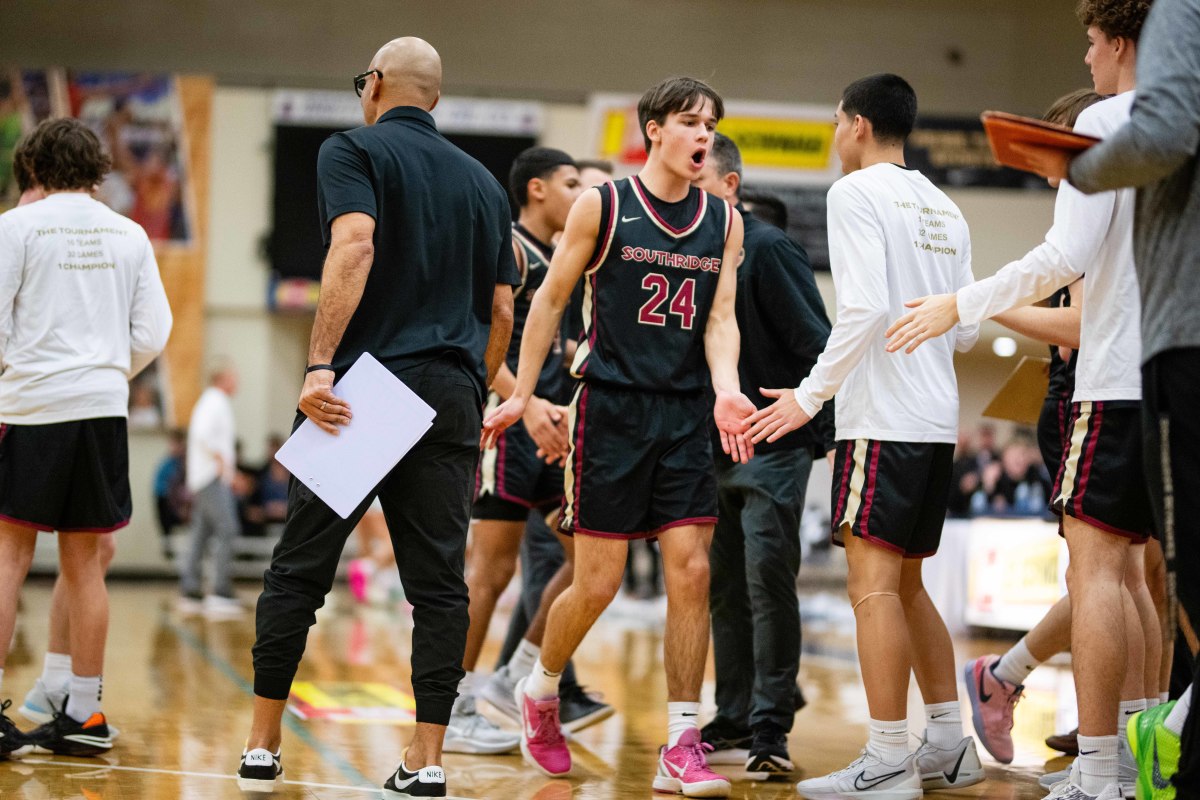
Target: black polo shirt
column 443, row 240
column 783, row 326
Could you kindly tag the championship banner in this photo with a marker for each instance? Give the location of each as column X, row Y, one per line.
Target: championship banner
column 1016, row 570
column 780, row 143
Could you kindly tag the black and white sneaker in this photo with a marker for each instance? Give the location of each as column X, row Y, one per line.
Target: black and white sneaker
column 11, row 738
column 66, row 736
column 260, row 771
column 729, row 745
column 578, row 710
column 425, row 782
column 768, row 754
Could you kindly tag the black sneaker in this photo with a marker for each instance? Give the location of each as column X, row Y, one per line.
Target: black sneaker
column 768, row 754
column 425, row 782
column 578, row 710
column 260, row 771
column 66, row 736
column 11, row 738
column 730, row 745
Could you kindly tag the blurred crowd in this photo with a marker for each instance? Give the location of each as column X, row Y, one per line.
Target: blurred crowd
column 990, row 480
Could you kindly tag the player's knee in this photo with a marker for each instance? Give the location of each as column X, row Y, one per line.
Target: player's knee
column 692, row 572
column 597, row 591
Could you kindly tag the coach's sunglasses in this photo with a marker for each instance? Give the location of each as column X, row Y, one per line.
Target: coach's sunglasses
column 360, row 81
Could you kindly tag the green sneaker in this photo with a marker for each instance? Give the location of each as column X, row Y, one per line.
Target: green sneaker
column 1156, row 750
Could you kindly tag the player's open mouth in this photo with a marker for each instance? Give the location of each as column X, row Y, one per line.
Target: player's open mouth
column 698, row 157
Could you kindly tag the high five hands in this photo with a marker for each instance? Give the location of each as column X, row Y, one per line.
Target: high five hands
column 930, row 318
column 778, row 419
column 732, row 412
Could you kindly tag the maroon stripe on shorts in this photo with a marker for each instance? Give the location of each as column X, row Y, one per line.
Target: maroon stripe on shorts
column 844, row 485
column 1085, row 469
column 869, row 495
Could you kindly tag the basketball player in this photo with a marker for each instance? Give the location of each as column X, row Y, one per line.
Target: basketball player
column 891, row 232
column 1104, row 512
column 660, row 258
column 512, row 478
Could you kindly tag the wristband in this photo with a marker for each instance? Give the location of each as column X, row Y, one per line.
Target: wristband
column 318, row 368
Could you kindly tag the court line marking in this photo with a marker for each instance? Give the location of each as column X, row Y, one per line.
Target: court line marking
column 347, row 769
column 186, row 774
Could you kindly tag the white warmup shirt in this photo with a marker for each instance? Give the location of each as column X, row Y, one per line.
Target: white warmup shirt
column 211, row 440
column 893, row 236
column 82, row 310
column 1092, row 234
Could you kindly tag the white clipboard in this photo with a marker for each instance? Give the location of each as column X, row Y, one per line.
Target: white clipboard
column 387, row 419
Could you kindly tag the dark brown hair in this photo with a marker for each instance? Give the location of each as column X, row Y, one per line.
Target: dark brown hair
column 1114, row 18
column 22, row 172
column 673, row 95
column 1066, row 109
column 595, row 163
column 65, row 155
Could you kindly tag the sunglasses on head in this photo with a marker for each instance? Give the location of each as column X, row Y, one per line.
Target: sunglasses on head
column 360, row 81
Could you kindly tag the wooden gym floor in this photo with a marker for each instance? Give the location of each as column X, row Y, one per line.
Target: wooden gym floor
column 180, row 691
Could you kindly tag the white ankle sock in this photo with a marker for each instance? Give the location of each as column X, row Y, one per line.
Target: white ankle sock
column 1098, row 768
column 85, row 697
column 1163, row 697
column 681, row 717
column 523, row 659
column 1015, row 665
column 1174, row 721
column 1, row 677
column 888, row 740
column 1127, row 709
column 56, row 672
column 1152, row 702
column 943, row 724
column 542, row 684
column 466, row 687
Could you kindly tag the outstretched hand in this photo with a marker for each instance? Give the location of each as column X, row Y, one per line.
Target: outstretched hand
column 731, row 411
column 930, row 317
column 504, row 415
column 320, row 404
column 778, row 419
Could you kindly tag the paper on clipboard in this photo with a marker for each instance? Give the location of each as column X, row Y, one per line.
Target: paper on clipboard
column 388, row 419
column 1020, row 398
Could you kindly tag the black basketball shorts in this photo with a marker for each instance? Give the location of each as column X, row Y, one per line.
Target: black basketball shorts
column 70, row 477
column 640, row 463
column 1101, row 480
column 892, row 494
column 512, row 479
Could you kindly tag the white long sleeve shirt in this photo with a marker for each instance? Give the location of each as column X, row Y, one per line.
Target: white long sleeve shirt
column 893, row 236
column 1091, row 234
column 82, row 310
column 212, row 438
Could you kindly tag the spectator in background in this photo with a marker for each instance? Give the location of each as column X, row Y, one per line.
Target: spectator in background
column 144, row 413
column 211, row 473
column 1016, row 483
column 767, row 207
column 171, row 496
column 965, row 477
column 272, row 485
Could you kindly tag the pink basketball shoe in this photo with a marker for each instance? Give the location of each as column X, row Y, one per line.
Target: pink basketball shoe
column 683, row 769
column 358, row 575
column 542, row 741
column 992, row 704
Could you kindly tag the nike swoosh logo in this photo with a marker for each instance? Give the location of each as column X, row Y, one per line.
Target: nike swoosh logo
column 404, row 784
column 677, row 771
column 939, row 716
column 983, row 696
column 629, row 219
column 1156, row 774
column 862, row 782
column 951, row 777
column 1088, row 752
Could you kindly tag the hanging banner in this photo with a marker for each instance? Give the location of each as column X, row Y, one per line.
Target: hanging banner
column 452, row 114
column 780, row 143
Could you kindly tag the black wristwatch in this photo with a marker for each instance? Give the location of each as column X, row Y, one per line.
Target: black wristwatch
column 318, row 368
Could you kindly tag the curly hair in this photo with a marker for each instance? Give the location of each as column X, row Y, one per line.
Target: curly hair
column 22, row 172
column 1114, row 18
column 64, row 155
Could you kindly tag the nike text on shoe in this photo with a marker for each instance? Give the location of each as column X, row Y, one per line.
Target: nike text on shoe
column 425, row 782
column 867, row 778
column 769, row 754
column 260, row 771
column 40, row 706
column 683, row 769
column 949, row 769
column 65, row 736
column 992, row 704
column 471, row 732
column 1156, row 751
column 542, row 742
column 728, row 745
column 578, row 710
column 498, row 692
column 11, row 738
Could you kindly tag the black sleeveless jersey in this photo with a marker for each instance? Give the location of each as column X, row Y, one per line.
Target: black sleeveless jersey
column 1062, row 373
column 648, row 290
column 554, row 384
